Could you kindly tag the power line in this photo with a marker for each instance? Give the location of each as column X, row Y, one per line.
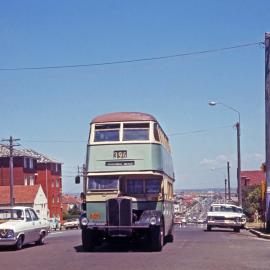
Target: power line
column 136, row 60
column 55, row 141
column 199, row 131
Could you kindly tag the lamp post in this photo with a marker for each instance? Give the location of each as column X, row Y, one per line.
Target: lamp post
column 237, row 125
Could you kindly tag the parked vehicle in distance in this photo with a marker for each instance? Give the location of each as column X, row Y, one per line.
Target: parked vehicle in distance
column 55, row 224
column 177, row 219
column 20, row 225
column 184, row 221
column 71, row 224
column 200, row 221
column 224, row 215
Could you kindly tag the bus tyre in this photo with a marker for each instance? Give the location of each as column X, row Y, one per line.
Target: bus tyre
column 156, row 238
column 88, row 240
column 169, row 238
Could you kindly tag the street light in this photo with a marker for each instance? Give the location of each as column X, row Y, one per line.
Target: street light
column 239, row 191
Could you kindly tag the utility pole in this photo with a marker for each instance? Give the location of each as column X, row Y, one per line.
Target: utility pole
column 267, row 128
column 11, row 178
column 239, row 164
column 229, row 180
column 225, row 190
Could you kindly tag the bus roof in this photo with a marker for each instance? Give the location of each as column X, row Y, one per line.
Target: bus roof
column 123, row 116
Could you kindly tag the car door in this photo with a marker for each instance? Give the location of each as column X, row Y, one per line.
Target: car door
column 35, row 225
column 28, row 235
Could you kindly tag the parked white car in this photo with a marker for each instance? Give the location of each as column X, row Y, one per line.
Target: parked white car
column 71, row 224
column 226, row 216
column 21, row 225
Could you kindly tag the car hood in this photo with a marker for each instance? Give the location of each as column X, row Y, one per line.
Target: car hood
column 9, row 224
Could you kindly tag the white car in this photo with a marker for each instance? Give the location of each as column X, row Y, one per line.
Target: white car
column 226, row 216
column 72, row 224
column 20, row 225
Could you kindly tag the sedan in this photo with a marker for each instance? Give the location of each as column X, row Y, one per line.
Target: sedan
column 20, row 226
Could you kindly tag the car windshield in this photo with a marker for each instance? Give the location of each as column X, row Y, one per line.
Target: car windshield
column 14, row 214
column 224, row 208
column 103, row 183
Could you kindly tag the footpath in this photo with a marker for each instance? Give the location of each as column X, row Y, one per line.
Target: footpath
column 258, row 229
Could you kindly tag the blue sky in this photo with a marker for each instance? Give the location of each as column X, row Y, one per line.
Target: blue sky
column 50, row 110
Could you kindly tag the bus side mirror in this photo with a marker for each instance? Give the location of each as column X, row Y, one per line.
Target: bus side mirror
column 77, row 179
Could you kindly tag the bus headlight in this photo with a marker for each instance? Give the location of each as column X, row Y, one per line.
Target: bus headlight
column 153, row 220
column 84, row 221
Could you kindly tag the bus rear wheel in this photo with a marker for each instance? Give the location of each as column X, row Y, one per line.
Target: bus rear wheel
column 88, row 241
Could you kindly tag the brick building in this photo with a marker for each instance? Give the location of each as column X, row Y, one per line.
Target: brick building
column 32, row 168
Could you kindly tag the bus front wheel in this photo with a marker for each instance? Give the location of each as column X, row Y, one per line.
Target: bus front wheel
column 88, row 241
column 157, row 238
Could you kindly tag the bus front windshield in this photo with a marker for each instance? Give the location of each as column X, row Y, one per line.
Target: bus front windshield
column 103, row 183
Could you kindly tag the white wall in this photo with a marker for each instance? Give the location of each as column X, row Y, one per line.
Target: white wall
column 41, row 204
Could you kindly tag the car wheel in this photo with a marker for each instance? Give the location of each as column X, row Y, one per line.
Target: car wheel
column 236, row 229
column 41, row 239
column 19, row 243
column 209, row 228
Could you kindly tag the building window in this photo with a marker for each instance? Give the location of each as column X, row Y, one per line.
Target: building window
column 52, row 183
column 25, row 181
column 31, row 163
column 53, row 199
column 56, row 183
column 25, row 162
column 31, row 180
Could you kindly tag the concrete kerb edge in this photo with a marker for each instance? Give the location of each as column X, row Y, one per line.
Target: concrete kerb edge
column 259, row 234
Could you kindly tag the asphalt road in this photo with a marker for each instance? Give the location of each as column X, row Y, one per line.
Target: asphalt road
column 193, row 248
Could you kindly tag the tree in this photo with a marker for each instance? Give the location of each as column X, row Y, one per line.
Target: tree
column 252, row 201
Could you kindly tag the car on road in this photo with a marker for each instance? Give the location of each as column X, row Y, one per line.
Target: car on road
column 71, row 224
column 55, row 224
column 20, row 225
column 225, row 215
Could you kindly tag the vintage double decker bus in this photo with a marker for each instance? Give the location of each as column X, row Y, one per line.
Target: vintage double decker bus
column 128, row 181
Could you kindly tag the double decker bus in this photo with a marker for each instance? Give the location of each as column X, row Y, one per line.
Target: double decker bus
column 128, row 181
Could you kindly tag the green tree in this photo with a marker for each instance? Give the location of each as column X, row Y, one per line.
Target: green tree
column 252, row 201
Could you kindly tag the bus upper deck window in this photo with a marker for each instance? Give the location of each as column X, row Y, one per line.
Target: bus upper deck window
column 136, row 132
column 156, row 135
column 107, row 133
